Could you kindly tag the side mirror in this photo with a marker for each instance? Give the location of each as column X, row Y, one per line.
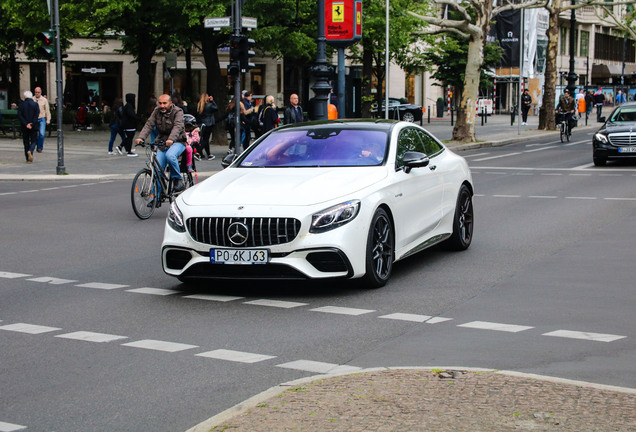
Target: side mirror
column 601, row 120
column 227, row 160
column 414, row 160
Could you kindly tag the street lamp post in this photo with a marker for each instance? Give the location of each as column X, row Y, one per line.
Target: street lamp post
column 321, row 70
column 572, row 76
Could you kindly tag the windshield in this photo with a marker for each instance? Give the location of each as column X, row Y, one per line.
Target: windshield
column 625, row 114
column 319, row 147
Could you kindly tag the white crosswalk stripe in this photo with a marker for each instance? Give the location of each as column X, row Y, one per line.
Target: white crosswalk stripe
column 100, row 285
column 219, row 298
column 51, row 280
column 275, row 303
column 91, row 336
column 235, row 356
column 158, row 345
column 598, row 337
column 28, row 328
column 407, row 317
column 9, row 275
column 484, row 325
column 342, row 310
column 10, row 427
column 153, row 291
column 318, row 367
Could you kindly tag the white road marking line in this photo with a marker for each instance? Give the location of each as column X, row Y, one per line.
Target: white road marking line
column 275, row 303
column 580, row 198
column 477, row 154
column 586, row 166
column 497, row 157
column 407, row 317
column 507, row 196
column 8, row 193
column 484, row 325
column 219, row 298
column 153, row 291
column 10, row 427
column 318, row 367
column 236, row 356
column 437, row 320
column 9, row 275
column 100, row 285
column 342, row 310
column 51, row 188
column 158, row 345
column 543, row 196
column 51, row 280
column 28, row 328
column 539, row 149
column 30, row 191
column 580, row 175
column 91, row 336
column 611, row 175
column 620, row 199
column 597, row 337
column 551, row 174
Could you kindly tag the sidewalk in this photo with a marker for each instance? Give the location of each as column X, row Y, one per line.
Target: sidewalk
column 85, row 152
column 435, row 400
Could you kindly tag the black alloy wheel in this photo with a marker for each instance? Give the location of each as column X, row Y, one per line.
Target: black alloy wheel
column 380, row 250
column 463, row 222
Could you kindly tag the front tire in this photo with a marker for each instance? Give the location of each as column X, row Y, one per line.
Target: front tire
column 462, row 222
column 408, row 117
column 143, row 194
column 380, row 250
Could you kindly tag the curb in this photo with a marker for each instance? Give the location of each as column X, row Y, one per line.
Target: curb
column 255, row 400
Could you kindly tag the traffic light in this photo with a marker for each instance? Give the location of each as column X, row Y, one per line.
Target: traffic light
column 47, row 48
column 245, row 53
column 233, row 67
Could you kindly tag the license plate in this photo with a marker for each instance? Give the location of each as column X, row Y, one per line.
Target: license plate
column 627, row 149
column 239, row 256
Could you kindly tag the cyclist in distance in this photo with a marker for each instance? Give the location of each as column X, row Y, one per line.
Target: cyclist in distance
column 168, row 119
column 566, row 105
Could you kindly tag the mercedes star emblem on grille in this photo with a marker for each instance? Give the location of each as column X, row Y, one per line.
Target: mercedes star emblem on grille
column 237, row 232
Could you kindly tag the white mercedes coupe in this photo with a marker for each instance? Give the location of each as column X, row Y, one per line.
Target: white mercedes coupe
column 330, row 199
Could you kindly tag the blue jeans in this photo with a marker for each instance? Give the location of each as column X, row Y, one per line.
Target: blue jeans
column 171, row 157
column 41, row 132
column 114, row 130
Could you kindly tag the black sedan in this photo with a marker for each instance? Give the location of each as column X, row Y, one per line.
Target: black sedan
column 616, row 139
column 400, row 109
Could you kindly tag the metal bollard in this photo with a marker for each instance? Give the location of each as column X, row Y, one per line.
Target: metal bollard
column 482, row 116
column 452, row 117
column 485, row 116
column 429, row 113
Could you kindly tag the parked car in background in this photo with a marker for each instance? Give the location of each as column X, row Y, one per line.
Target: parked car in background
column 400, row 109
column 326, row 199
column 616, row 139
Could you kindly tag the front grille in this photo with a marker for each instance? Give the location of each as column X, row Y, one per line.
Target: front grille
column 261, row 232
column 622, row 139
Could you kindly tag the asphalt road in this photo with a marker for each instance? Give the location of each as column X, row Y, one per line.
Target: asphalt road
column 95, row 337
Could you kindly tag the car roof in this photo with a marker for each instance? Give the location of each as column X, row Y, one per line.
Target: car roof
column 362, row 124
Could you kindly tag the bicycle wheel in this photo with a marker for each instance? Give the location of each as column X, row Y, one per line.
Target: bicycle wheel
column 563, row 132
column 143, row 194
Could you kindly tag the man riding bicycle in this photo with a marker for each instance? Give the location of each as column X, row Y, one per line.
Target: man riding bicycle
column 168, row 119
column 566, row 106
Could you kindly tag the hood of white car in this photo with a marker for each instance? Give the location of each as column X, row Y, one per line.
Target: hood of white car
column 282, row 186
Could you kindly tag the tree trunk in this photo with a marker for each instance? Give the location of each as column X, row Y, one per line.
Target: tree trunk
column 464, row 129
column 546, row 113
column 215, row 85
column 144, row 71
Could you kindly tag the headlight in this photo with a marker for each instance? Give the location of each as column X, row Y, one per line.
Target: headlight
column 335, row 216
column 602, row 138
column 175, row 218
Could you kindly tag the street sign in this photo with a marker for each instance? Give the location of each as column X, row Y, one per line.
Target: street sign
column 217, row 22
column 250, row 23
column 343, row 22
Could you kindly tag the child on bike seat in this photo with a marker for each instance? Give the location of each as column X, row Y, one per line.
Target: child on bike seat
column 192, row 134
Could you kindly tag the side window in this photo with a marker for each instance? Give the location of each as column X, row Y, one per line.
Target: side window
column 431, row 146
column 409, row 140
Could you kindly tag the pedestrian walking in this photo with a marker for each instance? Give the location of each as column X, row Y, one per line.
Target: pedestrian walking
column 526, row 104
column 293, row 112
column 589, row 103
column 206, row 109
column 28, row 113
column 599, row 100
column 44, row 118
column 115, row 124
column 129, row 125
column 620, row 97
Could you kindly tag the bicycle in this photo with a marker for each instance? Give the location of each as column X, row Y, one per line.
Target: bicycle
column 564, row 130
column 151, row 186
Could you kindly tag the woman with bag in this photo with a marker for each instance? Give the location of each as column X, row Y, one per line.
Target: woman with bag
column 269, row 116
column 206, row 108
